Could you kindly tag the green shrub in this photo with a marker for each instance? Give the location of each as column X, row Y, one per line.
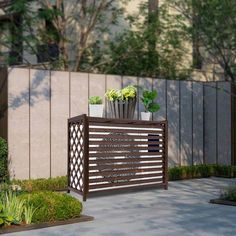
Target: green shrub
column 175, row 173
column 52, row 206
column 224, row 171
column 3, row 160
column 201, row 171
column 51, row 184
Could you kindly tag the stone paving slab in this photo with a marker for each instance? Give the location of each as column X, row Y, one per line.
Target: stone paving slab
column 181, row 210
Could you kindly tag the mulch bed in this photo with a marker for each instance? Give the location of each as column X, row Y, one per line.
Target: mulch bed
column 18, row 228
column 223, row 202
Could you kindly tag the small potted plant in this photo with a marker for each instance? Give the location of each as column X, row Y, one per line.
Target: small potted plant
column 122, row 102
column 95, row 106
column 150, row 106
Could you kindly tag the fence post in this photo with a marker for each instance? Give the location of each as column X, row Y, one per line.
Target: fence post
column 165, row 175
column 86, row 157
column 68, row 156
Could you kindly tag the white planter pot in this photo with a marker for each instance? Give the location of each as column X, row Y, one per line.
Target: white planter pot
column 146, row 115
column 96, row 110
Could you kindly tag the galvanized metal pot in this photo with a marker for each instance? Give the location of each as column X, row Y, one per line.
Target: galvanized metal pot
column 122, row 109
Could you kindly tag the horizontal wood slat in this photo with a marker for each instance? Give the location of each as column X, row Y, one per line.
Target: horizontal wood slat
column 100, row 160
column 126, row 154
column 122, row 166
column 116, row 172
column 131, row 136
column 140, row 131
column 124, row 142
column 136, row 182
column 124, row 148
column 140, row 176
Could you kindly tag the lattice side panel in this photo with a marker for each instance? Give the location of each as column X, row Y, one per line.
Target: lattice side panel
column 76, row 155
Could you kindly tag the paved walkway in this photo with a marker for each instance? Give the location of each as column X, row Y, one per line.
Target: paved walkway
column 182, row 210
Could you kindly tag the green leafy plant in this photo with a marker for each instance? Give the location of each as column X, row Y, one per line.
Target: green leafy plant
column 95, row 100
column 52, row 206
column 147, row 99
column 13, row 206
column 3, row 160
column 29, row 211
column 5, row 219
column 124, row 94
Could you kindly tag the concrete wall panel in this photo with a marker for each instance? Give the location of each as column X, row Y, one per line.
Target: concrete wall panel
column 198, row 123
column 210, row 123
column 224, row 123
column 173, row 121
column 160, row 86
column 186, row 123
column 18, row 123
column 39, row 124
column 79, row 90
column 59, row 116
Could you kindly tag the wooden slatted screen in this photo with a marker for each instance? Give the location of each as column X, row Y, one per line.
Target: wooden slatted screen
column 110, row 154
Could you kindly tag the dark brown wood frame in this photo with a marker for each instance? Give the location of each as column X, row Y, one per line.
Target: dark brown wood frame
column 116, row 154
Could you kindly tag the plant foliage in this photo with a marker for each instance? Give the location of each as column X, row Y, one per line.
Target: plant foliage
column 147, row 99
column 95, row 100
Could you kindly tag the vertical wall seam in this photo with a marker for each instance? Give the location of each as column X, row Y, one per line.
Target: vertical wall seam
column 88, row 93
column 204, row 120
column 180, row 110
column 216, row 85
column 152, row 90
column 192, row 118
column 105, row 98
column 166, row 99
column 29, row 125
column 138, row 103
column 50, row 123
column 69, row 94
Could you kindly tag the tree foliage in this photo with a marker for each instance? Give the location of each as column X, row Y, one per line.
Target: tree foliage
column 214, row 23
column 72, row 28
column 153, row 46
